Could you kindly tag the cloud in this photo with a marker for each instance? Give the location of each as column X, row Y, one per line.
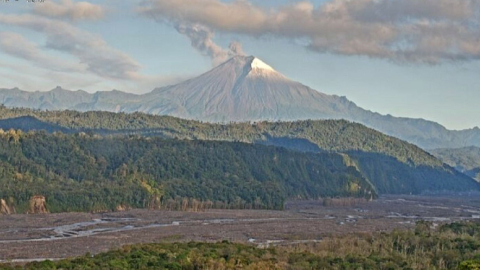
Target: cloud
column 36, row 77
column 91, row 50
column 18, row 46
column 69, row 56
column 70, row 10
column 414, row 31
column 201, row 37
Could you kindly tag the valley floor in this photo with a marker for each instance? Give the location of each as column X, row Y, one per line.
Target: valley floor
column 24, row 238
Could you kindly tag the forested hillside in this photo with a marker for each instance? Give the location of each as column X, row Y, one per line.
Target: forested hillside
column 391, row 165
column 89, row 173
column 466, row 160
column 329, row 135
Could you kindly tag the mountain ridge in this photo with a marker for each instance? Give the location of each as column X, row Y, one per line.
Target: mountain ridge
column 465, row 160
column 91, row 173
column 239, row 90
column 391, row 165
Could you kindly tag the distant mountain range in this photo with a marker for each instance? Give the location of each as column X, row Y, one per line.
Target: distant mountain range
column 244, row 89
column 466, row 160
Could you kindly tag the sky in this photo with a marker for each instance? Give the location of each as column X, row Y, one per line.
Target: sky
column 409, row 58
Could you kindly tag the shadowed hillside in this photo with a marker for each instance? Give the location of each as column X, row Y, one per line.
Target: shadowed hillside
column 84, row 173
column 466, row 160
column 391, row 165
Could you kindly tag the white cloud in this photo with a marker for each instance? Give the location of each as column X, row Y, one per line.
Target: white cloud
column 18, row 46
column 70, row 56
column 90, row 49
column 70, row 10
column 417, row 31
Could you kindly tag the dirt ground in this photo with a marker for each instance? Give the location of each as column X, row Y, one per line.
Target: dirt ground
column 54, row 236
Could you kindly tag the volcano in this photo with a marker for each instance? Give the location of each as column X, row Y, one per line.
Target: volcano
column 244, row 88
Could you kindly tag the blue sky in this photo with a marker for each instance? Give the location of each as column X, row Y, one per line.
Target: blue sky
column 104, row 45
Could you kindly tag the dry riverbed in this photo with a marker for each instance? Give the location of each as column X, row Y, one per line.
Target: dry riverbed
column 53, row 236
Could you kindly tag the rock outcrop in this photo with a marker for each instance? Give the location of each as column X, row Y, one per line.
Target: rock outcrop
column 38, row 205
column 5, row 209
column 155, row 203
column 122, row 207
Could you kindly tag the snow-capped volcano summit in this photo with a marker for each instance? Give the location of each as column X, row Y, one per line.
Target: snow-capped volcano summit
column 247, row 65
column 242, row 89
column 259, row 64
column 259, row 68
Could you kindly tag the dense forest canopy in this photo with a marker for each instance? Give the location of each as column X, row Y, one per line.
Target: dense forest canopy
column 89, row 173
column 329, row 135
column 391, row 165
column 466, row 160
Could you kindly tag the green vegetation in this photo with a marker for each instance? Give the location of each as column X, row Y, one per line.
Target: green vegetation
column 391, row 165
column 466, row 160
column 452, row 246
column 89, row 173
column 329, row 135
